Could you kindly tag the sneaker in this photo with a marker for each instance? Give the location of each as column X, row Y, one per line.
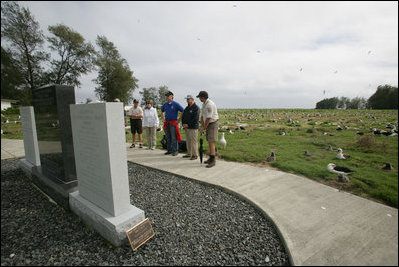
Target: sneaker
column 193, row 158
column 186, row 156
column 133, row 145
column 167, row 153
column 140, row 146
column 174, row 154
column 152, row 148
column 207, row 161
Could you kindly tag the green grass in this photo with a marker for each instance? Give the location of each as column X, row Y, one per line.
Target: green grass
column 305, row 131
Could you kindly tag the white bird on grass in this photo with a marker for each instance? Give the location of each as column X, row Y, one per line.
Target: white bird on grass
column 223, row 141
column 340, row 155
column 331, row 167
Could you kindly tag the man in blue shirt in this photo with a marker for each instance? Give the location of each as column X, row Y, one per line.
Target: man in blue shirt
column 169, row 115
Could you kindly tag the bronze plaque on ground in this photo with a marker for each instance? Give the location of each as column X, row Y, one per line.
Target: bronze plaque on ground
column 140, row 233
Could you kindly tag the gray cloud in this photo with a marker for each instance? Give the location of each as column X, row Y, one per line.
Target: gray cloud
column 244, row 56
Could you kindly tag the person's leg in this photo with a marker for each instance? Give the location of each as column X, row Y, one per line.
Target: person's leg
column 149, row 137
column 213, row 137
column 153, row 137
column 141, row 140
column 188, row 142
column 168, row 138
column 194, row 143
column 173, row 140
column 140, row 132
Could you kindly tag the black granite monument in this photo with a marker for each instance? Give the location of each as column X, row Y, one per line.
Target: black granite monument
column 57, row 174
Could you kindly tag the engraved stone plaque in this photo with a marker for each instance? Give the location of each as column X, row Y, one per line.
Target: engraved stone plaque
column 140, row 233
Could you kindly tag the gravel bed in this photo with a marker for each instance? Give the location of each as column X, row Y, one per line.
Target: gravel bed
column 194, row 224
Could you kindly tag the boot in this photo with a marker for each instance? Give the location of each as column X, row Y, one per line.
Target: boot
column 211, row 162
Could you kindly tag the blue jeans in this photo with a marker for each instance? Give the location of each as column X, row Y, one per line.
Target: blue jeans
column 171, row 139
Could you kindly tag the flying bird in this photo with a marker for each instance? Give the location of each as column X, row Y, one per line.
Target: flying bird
column 258, row 51
column 369, row 52
column 223, row 141
column 335, row 72
column 340, row 155
column 271, row 158
column 234, row 5
column 331, row 167
column 300, row 69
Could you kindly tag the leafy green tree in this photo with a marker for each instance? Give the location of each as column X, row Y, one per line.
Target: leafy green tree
column 357, row 103
column 149, row 94
column 12, row 79
column 161, row 94
column 343, row 102
column 328, row 103
column 115, row 79
column 386, row 97
column 76, row 57
column 25, row 41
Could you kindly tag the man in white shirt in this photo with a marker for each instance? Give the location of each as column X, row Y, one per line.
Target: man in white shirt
column 209, row 120
column 136, row 115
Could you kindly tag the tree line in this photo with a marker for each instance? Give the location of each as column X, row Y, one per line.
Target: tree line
column 386, row 97
column 26, row 65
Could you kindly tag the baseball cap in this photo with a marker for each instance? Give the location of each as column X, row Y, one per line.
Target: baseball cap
column 189, row 96
column 168, row 93
column 203, row 94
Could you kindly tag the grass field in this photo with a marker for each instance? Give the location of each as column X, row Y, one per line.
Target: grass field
column 314, row 131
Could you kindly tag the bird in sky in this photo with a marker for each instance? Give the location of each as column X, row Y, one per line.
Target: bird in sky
column 199, row 39
column 369, row 52
column 335, row 72
column 258, row 51
column 234, row 5
column 300, row 69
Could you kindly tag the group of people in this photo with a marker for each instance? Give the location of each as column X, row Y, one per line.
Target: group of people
column 192, row 117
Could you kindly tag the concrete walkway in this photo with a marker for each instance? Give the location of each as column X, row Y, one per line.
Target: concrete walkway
column 319, row 224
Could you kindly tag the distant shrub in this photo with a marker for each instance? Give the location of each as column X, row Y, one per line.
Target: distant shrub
column 310, row 130
column 11, row 111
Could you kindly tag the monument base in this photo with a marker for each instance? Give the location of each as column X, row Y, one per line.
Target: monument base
column 26, row 167
column 111, row 228
column 59, row 192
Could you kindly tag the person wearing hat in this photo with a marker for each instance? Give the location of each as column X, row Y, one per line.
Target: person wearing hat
column 209, row 120
column 169, row 115
column 136, row 125
column 190, row 121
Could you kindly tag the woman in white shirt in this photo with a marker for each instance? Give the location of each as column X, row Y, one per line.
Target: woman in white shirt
column 151, row 123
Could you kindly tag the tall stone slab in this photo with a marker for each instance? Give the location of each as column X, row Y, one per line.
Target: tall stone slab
column 57, row 174
column 102, row 199
column 32, row 157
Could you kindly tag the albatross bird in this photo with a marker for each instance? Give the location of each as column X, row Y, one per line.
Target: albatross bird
column 331, row 167
column 340, row 155
column 223, row 141
column 271, row 158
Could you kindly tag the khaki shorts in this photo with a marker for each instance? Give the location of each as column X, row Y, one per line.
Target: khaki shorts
column 212, row 132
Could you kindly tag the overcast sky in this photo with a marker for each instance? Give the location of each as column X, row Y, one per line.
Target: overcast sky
column 244, row 54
